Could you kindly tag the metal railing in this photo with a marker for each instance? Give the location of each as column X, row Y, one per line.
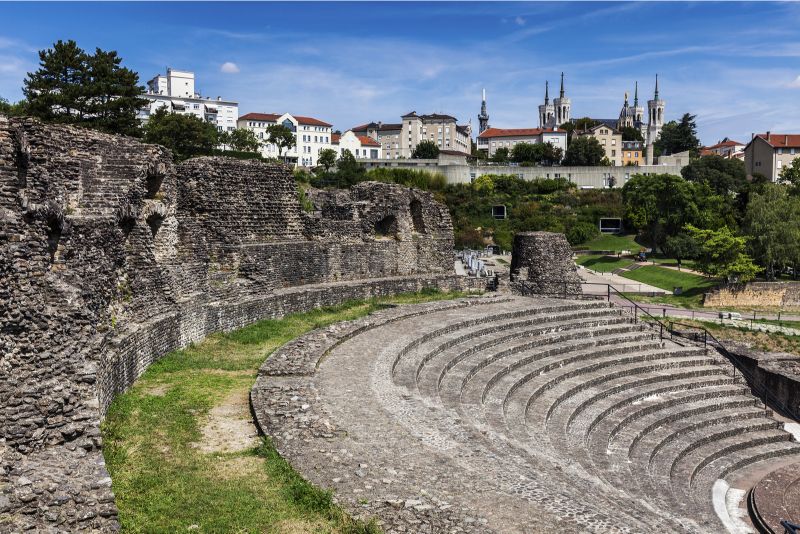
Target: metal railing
column 641, row 314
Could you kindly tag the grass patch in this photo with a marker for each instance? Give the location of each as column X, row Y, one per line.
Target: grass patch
column 164, row 483
column 603, row 264
column 612, row 242
column 660, row 259
column 763, row 341
column 693, row 286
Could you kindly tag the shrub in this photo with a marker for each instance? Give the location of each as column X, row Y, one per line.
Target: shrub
column 581, row 232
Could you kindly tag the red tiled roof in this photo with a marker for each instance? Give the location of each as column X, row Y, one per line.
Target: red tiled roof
column 515, row 132
column 272, row 117
column 725, row 143
column 269, row 117
column 367, row 141
column 782, row 140
column 335, row 138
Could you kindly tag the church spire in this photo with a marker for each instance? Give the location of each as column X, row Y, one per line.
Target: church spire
column 483, row 118
column 636, row 95
column 546, row 93
column 562, row 86
column 656, row 95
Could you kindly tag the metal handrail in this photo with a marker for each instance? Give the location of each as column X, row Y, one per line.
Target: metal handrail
column 733, row 358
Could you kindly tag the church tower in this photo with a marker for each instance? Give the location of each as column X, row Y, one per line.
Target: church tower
column 546, row 110
column 483, row 117
column 655, row 121
column 562, row 106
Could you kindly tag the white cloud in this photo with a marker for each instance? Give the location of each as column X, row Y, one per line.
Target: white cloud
column 795, row 82
column 520, row 21
column 229, row 67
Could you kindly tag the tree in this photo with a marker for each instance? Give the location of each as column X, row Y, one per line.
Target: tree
column 584, row 150
column 772, row 222
column 659, row 205
column 348, row 170
column 327, row 158
column 242, row 139
column 581, row 233
column 722, row 255
column 72, row 86
column 679, row 137
column 537, row 153
column 282, row 137
column 425, row 150
column 791, row 174
column 580, row 125
column 186, row 135
column 629, row 133
column 681, row 247
column 11, row 110
column 725, row 176
column 500, row 155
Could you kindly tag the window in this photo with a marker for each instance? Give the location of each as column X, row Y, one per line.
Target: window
column 613, row 153
column 613, row 142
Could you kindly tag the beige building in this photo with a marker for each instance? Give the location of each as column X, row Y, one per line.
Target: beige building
column 398, row 140
column 727, row 148
column 767, row 154
column 632, row 153
column 610, row 139
column 493, row 139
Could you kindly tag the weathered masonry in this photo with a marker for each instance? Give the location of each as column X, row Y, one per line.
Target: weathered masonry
column 111, row 255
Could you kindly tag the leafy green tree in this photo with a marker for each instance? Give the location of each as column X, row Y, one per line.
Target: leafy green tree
column 724, row 176
column 791, row 174
column 679, row 137
column 659, row 205
column 536, row 153
column 581, row 232
column 722, row 255
column 348, row 170
column 580, row 125
column 772, row 223
column 186, row 135
column 425, row 150
column 243, row 140
column 629, row 133
column 72, row 86
column 681, row 247
column 327, row 158
column 501, row 155
column 584, row 150
column 282, row 137
column 11, row 110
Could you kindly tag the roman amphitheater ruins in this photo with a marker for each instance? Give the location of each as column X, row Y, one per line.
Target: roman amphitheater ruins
column 495, row 413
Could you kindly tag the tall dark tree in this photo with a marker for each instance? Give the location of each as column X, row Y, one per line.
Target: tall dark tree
column 724, row 176
column 629, row 133
column 425, row 150
column 74, row 87
column 584, row 150
column 536, row 153
column 678, row 137
column 186, row 135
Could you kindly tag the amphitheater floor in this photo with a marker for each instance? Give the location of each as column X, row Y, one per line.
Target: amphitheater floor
column 515, row 415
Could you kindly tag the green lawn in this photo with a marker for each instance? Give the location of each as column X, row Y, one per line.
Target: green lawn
column 693, row 286
column 168, row 474
column 612, row 242
column 603, row 264
column 672, row 262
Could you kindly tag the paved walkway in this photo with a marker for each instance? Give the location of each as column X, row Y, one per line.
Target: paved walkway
column 623, row 285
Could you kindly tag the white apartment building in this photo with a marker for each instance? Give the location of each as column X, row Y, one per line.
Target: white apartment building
column 492, row 139
column 176, row 92
column 361, row 146
column 312, row 135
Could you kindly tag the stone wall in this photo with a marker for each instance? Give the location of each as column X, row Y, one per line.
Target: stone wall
column 778, row 294
column 111, row 256
column 541, row 264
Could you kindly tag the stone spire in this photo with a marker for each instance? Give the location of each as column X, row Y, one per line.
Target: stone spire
column 546, row 93
column 636, row 94
column 483, row 118
column 656, row 95
column 561, row 95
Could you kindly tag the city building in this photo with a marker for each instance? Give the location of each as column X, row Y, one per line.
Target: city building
column 727, row 148
column 176, row 92
column 361, row 146
column 492, row 139
column 632, row 153
column 767, row 154
column 312, row 135
column 398, row 140
column 610, row 139
column 631, row 116
column 555, row 114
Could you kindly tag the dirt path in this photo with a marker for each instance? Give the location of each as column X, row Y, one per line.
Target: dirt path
column 229, row 427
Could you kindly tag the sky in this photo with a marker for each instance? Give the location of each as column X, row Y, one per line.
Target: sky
column 736, row 65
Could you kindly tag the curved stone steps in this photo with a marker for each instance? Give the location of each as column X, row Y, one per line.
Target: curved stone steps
column 434, row 341
column 441, row 367
column 472, row 381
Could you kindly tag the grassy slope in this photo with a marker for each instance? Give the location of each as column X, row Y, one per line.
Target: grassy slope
column 693, row 286
column 612, row 242
column 164, row 483
column 603, row 264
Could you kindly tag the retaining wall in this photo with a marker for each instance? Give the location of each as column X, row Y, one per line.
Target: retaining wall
column 772, row 294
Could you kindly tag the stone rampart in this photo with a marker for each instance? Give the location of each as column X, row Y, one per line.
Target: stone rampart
column 111, row 256
column 541, row 264
column 772, row 294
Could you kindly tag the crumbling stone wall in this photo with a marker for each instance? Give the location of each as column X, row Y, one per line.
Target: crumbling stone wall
column 774, row 294
column 541, row 264
column 111, row 256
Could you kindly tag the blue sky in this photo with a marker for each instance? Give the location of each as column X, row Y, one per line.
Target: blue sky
column 735, row 65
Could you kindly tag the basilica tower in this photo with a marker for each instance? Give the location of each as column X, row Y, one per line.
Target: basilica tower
column 483, row 117
column 655, row 121
column 546, row 110
column 562, row 106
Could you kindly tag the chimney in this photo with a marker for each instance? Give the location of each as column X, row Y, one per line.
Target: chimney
column 785, row 139
column 767, row 136
column 752, row 135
